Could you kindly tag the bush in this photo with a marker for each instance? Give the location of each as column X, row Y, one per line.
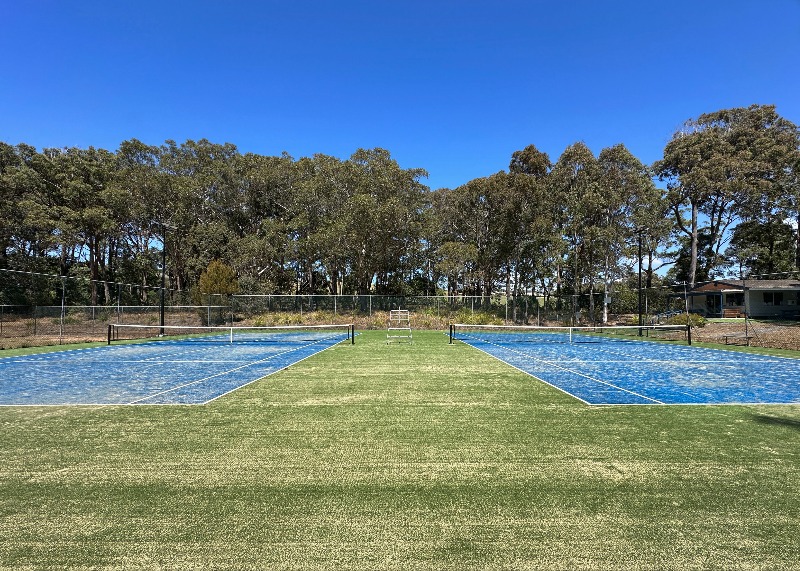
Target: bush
column 696, row 320
column 468, row 317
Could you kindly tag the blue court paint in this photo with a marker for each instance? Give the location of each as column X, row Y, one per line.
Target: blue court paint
column 624, row 371
column 159, row 372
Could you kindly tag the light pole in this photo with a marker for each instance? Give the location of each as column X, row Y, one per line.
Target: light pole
column 164, row 227
column 640, row 283
column 163, row 275
column 639, row 231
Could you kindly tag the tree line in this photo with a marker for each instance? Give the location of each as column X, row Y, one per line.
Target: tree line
column 724, row 199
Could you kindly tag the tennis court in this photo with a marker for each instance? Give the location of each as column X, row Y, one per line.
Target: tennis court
column 613, row 369
column 188, row 369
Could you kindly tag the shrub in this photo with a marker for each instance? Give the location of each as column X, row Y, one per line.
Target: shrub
column 695, row 320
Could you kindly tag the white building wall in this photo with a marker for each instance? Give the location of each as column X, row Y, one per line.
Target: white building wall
column 759, row 307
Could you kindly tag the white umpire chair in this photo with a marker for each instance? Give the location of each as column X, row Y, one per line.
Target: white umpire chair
column 399, row 326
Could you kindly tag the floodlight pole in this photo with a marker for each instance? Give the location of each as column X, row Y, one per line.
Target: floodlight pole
column 640, row 283
column 163, row 275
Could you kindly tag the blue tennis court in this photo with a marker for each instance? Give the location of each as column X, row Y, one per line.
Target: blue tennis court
column 186, row 371
column 630, row 371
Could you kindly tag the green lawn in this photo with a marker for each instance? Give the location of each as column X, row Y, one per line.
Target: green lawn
column 423, row 456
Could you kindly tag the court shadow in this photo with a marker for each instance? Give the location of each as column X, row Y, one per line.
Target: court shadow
column 777, row 421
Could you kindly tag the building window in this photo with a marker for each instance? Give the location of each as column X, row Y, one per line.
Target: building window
column 734, row 299
column 773, row 298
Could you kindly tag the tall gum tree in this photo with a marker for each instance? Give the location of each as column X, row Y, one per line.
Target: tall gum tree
column 631, row 206
column 719, row 166
column 575, row 181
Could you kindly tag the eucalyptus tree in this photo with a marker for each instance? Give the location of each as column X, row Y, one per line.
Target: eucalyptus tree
column 140, row 179
column 575, row 181
column 12, row 162
column 319, row 222
column 538, row 241
column 28, row 236
column 203, row 203
column 262, row 253
column 530, row 161
column 451, row 251
column 791, row 202
column 720, row 166
column 761, row 249
column 41, row 205
column 13, row 239
column 456, row 261
column 335, row 187
column 485, row 232
column 476, row 244
column 69, row 207
column 90, row 211
column 509, row 211
column 385, row 220
column 600, row 198
column 506, row 199
column 635, row 215
column 777, row 206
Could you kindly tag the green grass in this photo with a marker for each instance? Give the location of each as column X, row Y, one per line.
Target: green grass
column 423, row 456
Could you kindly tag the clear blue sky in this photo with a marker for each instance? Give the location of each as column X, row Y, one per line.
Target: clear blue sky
column 451, row 86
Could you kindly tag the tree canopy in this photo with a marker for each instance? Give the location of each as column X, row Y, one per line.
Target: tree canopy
column 364, row 224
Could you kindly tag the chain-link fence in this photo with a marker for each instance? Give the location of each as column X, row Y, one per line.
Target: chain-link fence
column 60, row 324
column 26, row 326
column 58, row 312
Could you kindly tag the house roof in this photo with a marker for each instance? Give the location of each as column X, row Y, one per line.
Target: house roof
column 736, row 285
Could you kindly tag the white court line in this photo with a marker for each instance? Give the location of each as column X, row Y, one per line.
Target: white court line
column 655, row 361
column 553, row 364
column 223, row 373
column 506, row 363
column 171, row 362
column 55, row 355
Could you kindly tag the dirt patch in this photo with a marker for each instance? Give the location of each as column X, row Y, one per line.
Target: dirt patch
column 770, row 334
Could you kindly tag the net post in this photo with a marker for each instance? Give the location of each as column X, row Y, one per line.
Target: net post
column 231, row 334
column 452, row 333
column 109, row 333
column 689, row 331
column 352, row 334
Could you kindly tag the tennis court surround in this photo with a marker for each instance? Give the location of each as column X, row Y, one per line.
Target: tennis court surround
column 630, row 370
column 187, row 370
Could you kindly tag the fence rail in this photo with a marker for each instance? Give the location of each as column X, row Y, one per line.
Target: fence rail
column 53, row 324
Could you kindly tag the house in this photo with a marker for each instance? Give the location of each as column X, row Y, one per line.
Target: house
column 754, row 298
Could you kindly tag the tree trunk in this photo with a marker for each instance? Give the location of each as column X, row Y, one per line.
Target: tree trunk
column 605, row 292
column 694, row 240
column 93, row 274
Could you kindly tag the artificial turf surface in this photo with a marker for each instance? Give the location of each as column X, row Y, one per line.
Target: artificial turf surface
column 402, row 456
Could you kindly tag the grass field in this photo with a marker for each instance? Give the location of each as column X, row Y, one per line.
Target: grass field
column 423, row 456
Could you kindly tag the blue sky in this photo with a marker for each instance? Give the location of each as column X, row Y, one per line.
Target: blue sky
column 454, row 87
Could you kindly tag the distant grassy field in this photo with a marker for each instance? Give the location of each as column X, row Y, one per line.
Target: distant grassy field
column 423, row 456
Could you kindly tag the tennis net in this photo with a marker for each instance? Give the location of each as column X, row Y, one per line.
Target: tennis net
column 120, row 332
column 555, row 334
